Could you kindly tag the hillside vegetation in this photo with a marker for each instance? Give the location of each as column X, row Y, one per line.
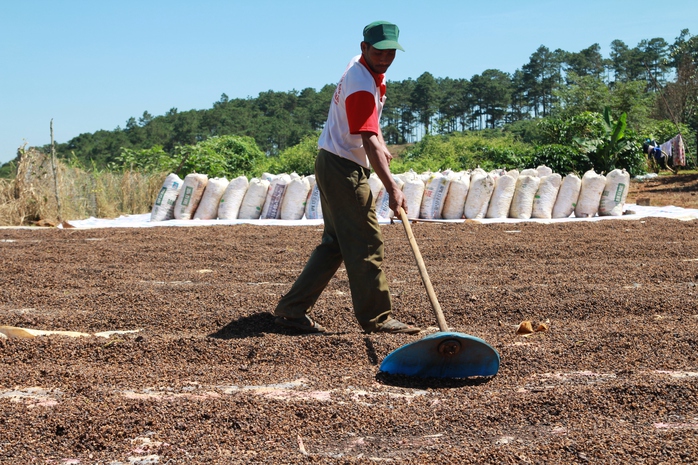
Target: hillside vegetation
column 571, row 111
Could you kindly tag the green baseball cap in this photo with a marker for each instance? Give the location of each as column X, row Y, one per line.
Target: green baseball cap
column 382, row 35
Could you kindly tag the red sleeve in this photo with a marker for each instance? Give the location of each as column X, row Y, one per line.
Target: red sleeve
column 361, row 113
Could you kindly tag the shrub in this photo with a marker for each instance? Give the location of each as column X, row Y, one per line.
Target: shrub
column 459, row 151
column 152, row 160
column 220, row 156
column 299, row 158
column 562, row 159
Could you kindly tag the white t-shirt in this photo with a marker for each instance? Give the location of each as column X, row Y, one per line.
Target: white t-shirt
column 336, row 137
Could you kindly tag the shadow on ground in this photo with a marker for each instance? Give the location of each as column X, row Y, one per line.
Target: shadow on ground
column 248, row 326
column 429, row 383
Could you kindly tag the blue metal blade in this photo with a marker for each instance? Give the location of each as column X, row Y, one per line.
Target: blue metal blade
column 424, row 360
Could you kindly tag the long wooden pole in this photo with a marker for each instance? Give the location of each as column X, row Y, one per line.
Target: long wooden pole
column 55, row 176
column 423, row 272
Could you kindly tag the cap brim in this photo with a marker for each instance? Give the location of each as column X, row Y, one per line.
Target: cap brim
column 388, row 45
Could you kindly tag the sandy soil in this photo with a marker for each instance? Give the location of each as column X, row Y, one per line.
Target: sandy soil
column 209, row 379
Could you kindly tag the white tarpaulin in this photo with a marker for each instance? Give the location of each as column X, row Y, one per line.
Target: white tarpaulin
column 143, row 221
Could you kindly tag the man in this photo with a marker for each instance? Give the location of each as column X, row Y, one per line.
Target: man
column 350, row 145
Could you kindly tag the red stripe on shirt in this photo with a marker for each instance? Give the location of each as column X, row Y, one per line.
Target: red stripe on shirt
column 362, row 114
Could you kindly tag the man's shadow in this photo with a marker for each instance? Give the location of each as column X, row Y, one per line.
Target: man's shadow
column 248, row 326
column 255, row 326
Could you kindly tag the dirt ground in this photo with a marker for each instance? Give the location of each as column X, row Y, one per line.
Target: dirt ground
column 680, row 190
column 208, row 378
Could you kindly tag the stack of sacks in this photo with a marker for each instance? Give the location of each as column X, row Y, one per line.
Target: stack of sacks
column 531, row 193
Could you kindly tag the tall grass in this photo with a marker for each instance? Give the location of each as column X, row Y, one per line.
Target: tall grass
column 30, row 197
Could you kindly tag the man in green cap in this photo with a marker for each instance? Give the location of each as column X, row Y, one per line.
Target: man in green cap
column 350, row 145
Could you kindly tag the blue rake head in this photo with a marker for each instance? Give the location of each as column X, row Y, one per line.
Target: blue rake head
column 443, row 355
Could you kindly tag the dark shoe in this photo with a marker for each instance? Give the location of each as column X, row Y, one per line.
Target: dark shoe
column 393, row 326
column 304, row 324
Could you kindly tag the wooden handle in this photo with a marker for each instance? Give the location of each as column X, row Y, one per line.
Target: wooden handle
column 423, row 272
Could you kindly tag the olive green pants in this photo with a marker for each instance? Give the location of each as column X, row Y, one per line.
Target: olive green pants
column 352, row 234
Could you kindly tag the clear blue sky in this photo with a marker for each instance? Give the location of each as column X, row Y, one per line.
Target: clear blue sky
column 92, row 64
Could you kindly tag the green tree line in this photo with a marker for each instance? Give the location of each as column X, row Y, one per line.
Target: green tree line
column 558, row 103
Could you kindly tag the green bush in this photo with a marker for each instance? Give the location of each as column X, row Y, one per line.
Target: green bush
column 152, row 160
column 460, row 151
column 562, row 159
column 299, row 158
column 432, row 153
column 224, row 156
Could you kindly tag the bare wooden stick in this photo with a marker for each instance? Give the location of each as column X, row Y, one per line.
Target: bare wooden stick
column 55, row 176
column 423, row 272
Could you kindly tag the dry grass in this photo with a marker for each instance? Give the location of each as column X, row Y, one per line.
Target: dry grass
column 30, row 198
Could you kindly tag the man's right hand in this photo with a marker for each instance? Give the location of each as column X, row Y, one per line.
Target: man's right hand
column 397, row 199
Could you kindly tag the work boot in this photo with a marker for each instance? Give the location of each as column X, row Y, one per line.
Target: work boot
column 393, row 326
column 303, row 324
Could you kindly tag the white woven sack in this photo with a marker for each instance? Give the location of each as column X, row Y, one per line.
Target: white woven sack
column 479, row 194
column 208, row 206
column 293, row 205
column 496, row 173
column 504, row 188
column 590, row 194
column 313, row 207
column 544, row 200
column 407, row 176
column 529, row 172
column 414, row 191
column 425, row 176
column 455, row 198
column 164, row 205
column 253, row 202
column 435, row 191
column 311, row 181
column 383, row 209
column 513, row 173
column 275, row 195
column 567, row 196
column 375, row 184
column 543, row 171
column 269, row 177
column 522, row 203
column 190, row 195
column 232, row 198
column 615, row 193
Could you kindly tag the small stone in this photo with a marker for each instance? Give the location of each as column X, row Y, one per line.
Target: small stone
column 526, row 327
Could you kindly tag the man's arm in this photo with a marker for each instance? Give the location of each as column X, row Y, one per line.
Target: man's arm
column 379, row 157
